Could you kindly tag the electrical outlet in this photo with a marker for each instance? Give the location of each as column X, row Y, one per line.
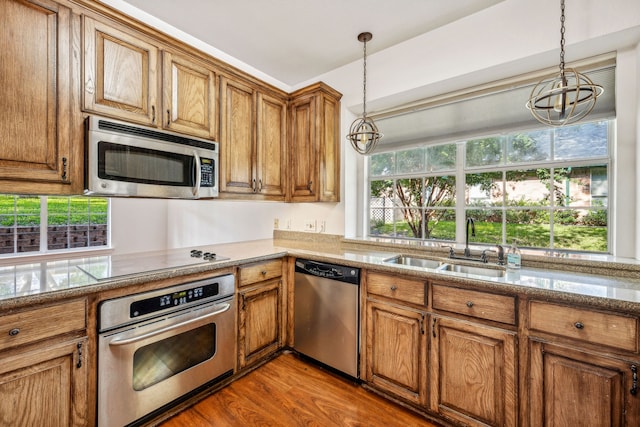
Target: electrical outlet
column 310, row 226
column 276, row 223
column 323, row 226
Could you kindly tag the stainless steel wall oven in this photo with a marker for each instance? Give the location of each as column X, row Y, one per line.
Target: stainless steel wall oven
column 156, row 347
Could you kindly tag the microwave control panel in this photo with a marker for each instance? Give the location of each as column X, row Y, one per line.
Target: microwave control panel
column 206, row 172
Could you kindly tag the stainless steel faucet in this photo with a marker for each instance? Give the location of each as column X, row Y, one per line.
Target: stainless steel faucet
column 467, row 252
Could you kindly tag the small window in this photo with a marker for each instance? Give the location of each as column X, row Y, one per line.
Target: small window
column 41, row 224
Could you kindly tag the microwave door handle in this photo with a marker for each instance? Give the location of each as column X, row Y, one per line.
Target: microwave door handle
column 168, row 328
column 196, row 188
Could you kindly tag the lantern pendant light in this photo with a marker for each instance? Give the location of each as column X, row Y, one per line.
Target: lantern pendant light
column 568, row 97
column 364, row 134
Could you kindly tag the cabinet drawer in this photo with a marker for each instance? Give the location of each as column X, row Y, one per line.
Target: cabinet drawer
column 499, row 308
column 399, row 288
column 40, row 323
column 261, row 271
column 612, row 330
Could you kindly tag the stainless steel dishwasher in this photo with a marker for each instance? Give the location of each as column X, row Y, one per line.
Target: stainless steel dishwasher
column 326, row 314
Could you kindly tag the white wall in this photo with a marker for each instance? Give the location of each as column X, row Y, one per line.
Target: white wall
column 140, row 224
column 510, row 38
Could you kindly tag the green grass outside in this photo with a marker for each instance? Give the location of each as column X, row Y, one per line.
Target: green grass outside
column 573, row 237
column 61, row 211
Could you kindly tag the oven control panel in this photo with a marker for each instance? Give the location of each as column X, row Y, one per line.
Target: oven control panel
column 135, row 308
column 172, row 299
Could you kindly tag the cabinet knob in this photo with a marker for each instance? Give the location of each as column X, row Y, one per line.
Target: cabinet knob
column 14, row 332
column 394, row 287
column 264, row 272
column 579, row 325
column 469, row 304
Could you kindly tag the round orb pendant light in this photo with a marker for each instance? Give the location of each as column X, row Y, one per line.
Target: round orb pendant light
column 568, row 97
column 364, row 134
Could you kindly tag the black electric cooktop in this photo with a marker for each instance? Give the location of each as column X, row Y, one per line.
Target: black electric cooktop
column 113, row 266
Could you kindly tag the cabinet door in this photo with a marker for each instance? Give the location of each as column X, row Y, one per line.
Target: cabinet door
column 473, row 373
column 260, row 320
column 271, row 145
column 35, row 94
column 329, row 166
column 47, row 387
column 237, row 141
column 303, row 146
column 396, row 351
column 120, row 74
column 570, row 387
column 188, row 97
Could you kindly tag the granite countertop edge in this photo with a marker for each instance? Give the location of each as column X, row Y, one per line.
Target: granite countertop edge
column 334, row 249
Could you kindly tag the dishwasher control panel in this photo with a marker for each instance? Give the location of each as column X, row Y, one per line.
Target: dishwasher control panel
column 329, row 271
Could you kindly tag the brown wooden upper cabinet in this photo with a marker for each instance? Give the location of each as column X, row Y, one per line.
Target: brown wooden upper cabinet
column 37, row 153
column 189, row 96
column 120, row 73
column 252, row 142
column 314, row 146
column 122, row 79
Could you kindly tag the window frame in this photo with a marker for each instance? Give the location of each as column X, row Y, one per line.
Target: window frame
column 462, row 170
column 43, row 231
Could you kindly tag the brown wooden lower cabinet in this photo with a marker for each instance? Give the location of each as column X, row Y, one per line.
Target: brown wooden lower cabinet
column 473, row 373
column 573, row 387
column 396, row 351
column 259, row 321
column 46, row 386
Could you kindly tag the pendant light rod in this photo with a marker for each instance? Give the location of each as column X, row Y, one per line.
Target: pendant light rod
column 364, row 38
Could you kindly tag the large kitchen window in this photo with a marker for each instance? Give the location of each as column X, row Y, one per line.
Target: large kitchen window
column 543, row 188
column 43, row 224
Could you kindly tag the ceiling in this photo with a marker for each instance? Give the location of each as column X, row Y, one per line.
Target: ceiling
column 294, row 41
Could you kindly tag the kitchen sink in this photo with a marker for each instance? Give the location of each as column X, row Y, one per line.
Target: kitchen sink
column 434, row 264
column 478, row 271
column 414, row 261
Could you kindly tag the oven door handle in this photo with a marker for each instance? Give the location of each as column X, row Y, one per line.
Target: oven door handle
column 168, row 328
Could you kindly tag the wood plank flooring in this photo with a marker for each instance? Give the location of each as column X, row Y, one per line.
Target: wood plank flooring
column 289, row 392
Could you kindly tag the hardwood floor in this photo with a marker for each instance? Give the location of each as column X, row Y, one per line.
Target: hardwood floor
column 288, row 392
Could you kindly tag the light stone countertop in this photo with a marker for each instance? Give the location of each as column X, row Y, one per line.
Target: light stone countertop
column 616, row 286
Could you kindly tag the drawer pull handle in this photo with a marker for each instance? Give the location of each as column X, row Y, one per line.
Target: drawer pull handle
column 14, row 332
column 469, row 304
column 394, row 287
column 634, row 377
column 579, row 325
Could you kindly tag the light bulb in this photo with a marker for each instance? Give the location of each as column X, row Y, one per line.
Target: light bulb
column 561, row 98
column 365, row 138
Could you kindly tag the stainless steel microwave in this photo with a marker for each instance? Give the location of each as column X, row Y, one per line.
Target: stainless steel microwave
column 136, row 161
